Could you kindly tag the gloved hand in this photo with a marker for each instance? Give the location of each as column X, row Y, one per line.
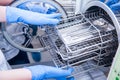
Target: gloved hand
column 41, row 72
column 37, row 7
column 111, row 2
column 115, row 7
column 102, row 0
column 14, row 15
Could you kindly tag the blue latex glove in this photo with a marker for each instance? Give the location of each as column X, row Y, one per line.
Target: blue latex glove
column 102, row 0
column 14, row 15
column 41, row 72
column 115, row 7
column 111, row 2
column 37, row 8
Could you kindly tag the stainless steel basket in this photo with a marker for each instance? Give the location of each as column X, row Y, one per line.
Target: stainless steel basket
column 88, row 41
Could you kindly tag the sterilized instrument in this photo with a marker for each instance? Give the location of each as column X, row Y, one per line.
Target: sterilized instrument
column 86, row 41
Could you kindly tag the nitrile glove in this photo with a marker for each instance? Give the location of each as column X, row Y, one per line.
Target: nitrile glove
column 110, row 2
column 115, row 7
column 37, row 7
column 102, row 0
column 14, row 15
column 41, row 72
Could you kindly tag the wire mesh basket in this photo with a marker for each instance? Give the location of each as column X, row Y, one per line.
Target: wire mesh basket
column 88, row 39
column 68, row 5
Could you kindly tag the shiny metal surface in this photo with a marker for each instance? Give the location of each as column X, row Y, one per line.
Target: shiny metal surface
column 85, row 41
column 113, row 16
column 95, row 38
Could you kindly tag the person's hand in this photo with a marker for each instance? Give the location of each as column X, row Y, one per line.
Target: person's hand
column 14, row 15
column 115, row 7
column 102, row 0
column 37, row 7
column 41, row 72
column 113, row 4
